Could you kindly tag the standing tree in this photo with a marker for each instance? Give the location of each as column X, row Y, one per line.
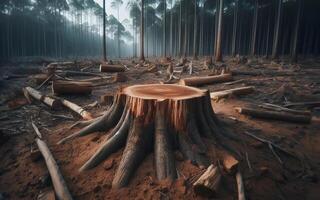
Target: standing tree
column 195, row 30
column 254, row 28
column 104, row 32
column 142, row 32
column 218, row 53
column 275, row 46
column 116, row 4
column 294, row 57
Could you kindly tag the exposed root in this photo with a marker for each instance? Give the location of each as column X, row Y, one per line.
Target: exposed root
column 111, row 145
column 139, row 141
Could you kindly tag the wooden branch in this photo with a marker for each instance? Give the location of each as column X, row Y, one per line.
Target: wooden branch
column 53, row 103
column 207, row 185
column 236, row 91
column 199, row 81
column 74, row 107
column 35, row 128
column 112, row 68
column 240, row 184
column 45, row 81
column 71, row 87
column 274, row 115
column 59, row 184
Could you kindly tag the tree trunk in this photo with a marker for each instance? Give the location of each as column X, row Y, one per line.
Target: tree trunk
column 235, row 25
column 142, row 32
column 160, row 117
column 254, row 28
column 275, row 47
column 218, row 56
column 294, row 56
column 104, row 32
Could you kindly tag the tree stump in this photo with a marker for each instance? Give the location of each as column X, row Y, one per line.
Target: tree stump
column 161, row 118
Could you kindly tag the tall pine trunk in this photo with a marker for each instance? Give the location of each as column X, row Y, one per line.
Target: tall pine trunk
column 254, row 28
column 235, row 25
column 142, row 32
column 104, row 32
column 275, row 47
column 218, row 56
column 294, row 57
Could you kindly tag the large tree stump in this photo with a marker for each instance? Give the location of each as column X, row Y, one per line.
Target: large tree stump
column 159, row 118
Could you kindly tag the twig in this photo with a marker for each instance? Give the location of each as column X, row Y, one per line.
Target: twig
column 275, row 154
column 273, row 144
column 248, row 161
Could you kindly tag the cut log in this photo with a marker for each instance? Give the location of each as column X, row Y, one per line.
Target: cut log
column 199, row 81
column 240, row 185
column 274, row 115
column 59, row 184
column 74, row 107
column 280, row 108
column 263, row 73
column 49, row 101
column 208, row 183
column 308, row 104
column 71, row 87
column 236, row 91
column 112, row 68
column 230, row 164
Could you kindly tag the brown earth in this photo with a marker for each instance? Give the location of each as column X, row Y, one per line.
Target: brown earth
column 21, row 178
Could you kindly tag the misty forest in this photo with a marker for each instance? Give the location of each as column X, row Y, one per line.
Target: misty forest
column 159, row 99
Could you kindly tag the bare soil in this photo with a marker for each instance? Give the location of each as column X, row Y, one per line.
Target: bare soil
column 22, row 178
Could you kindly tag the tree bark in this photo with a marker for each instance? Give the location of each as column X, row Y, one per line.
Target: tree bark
column 142, row 32
column 51, row 102
column 70, row 87
column 198, row 81
column 275, row 47
column 218, row 56
column 59, row 184
column 274, row 115
column 112, row 68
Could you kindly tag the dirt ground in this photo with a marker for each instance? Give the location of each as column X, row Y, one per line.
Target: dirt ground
column 264, row 176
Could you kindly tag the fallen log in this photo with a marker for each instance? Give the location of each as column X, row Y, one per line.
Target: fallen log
column 74, row 107
column 236, row 91
column 208, row 183
column 274, row 115
column 112, row 68
column 198, row 81
column 59, row 184
column 263, row 73
column 308, row 104
column 280, row 108
column 71, row 87
column 53, row 103
column 240, row 186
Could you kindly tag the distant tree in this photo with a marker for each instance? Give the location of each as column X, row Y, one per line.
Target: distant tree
column 116, row 4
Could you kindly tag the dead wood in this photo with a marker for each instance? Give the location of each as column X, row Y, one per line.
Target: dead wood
column 240, row 186
column 274, row 115
column 230, row 163
column 112, row 68
column 74, row 107
column 280, row 108
column 49, row 101
column 263, row 73
column 59, row 185
column 71, row 87
column 236, row 91
column 208, row 184
column 308, row 104
column 199, row 81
